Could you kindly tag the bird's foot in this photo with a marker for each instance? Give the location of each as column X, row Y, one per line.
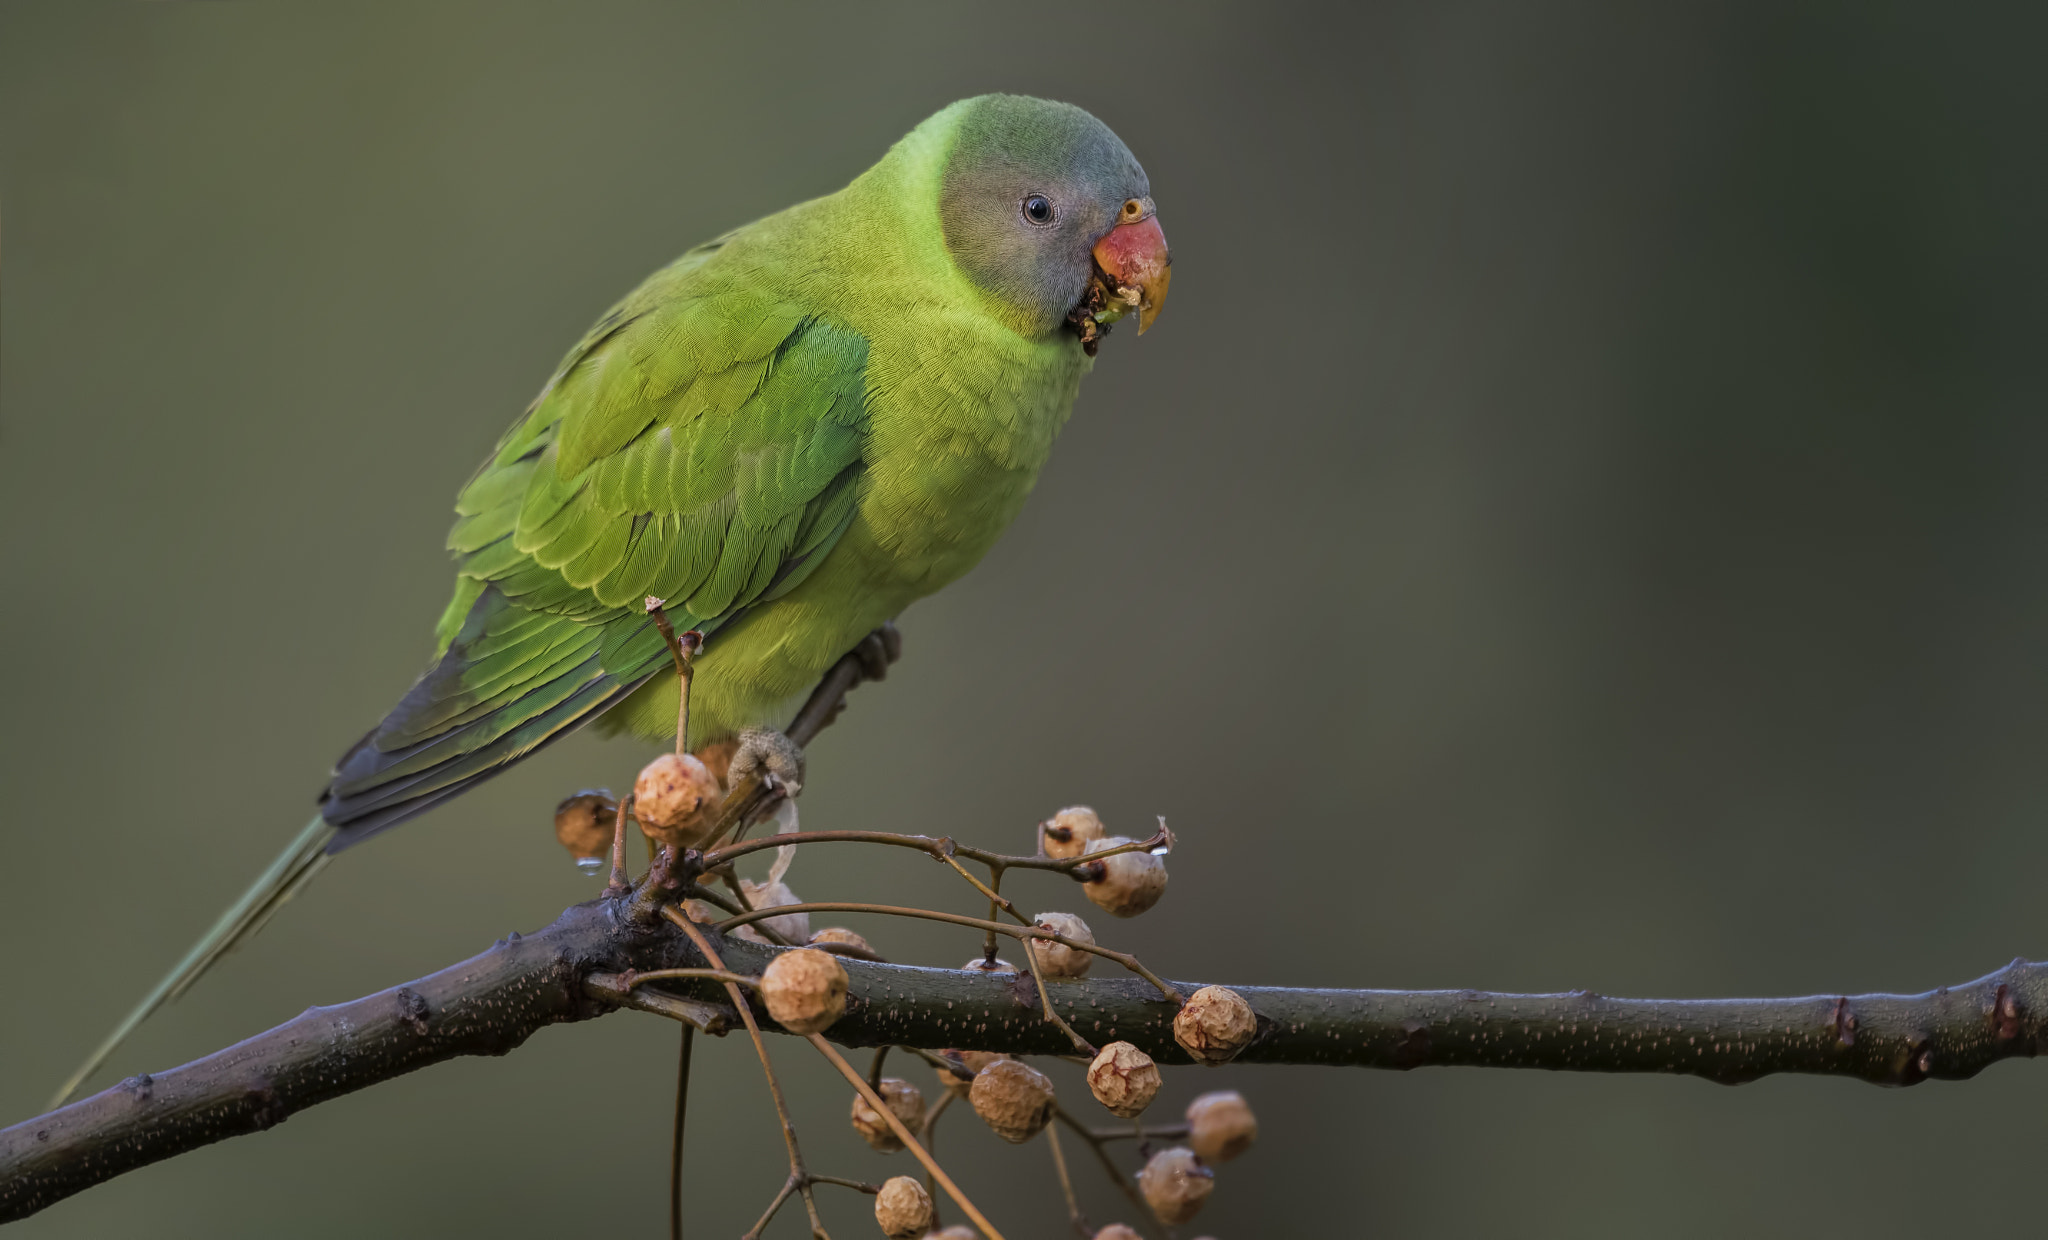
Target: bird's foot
column 771, row 755
column 878, row 650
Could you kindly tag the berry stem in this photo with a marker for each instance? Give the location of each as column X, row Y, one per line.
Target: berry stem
column 1125, row 959
column 1122, row 1181
column 904, row 1135
column 675, row 1144
column 1075, row 1218
column 683, row 650
column 937, row 846
column 799, row 1178
column 619, row 882
column 1038, row 975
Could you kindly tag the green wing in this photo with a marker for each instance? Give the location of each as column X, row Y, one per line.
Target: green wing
column 702, row 445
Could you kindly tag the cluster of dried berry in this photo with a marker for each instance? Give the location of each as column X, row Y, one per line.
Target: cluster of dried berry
column 676, row 800
column 1016, row 1100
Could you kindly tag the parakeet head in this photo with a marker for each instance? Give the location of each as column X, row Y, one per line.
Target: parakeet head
column 1036, row 198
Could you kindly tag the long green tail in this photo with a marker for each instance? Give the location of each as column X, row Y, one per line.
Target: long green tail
column 293, row 867
column 541, row 678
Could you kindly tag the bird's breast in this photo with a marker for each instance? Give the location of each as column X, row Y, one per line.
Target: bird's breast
column 961, row 420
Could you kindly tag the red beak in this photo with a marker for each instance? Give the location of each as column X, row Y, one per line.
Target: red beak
column 1135, row 255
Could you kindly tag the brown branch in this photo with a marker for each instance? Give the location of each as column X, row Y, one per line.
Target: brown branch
column 490, row 1004
column 596, row 958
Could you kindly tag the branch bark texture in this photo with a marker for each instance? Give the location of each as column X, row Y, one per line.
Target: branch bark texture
column 490, row 1004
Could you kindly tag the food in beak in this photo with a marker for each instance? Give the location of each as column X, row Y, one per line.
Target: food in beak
column 1134, row 256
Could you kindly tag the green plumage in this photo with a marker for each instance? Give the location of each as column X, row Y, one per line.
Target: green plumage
column 788, row 434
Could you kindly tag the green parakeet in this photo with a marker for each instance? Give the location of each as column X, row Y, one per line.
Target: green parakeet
column 790, row 433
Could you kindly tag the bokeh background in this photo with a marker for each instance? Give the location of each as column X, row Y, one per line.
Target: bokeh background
column 1579, row 523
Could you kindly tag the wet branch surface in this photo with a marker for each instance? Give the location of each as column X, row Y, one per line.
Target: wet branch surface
column 490, row 1004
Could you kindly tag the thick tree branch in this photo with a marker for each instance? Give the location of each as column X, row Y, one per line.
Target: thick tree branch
column 490, row 1004
column 587, row 964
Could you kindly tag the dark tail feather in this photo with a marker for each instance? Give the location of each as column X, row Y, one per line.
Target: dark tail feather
column 383, row 806
column 293, row 867
column 510, row 683
column 536, row 681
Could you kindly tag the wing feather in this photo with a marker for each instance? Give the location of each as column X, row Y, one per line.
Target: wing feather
column 703, row 444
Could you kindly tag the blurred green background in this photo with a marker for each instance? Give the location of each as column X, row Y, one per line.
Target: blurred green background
column 1579, row 523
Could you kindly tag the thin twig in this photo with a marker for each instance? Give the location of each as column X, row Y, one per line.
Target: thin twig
column 1125, row 959
column 995, row 904
column 788, row 1186
column 620, row 881
column 995, row 900
column 675, row 1143
column 1075, row 1218
column 798, row 1184
column 698, row 891
column 634, row 978
column 935, row 846
column 746, row 904
column 928, row 1132
column 683, row 650
column 904, row 1135
column 1038, row 975
column 861, row 1186
column 850, row 951
column 1116, row 1175
column 1171, row 1132
column 615, row 990
column 796, row 1157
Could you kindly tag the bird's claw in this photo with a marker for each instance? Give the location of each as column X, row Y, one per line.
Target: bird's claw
column 878, row 650
column 770, row 755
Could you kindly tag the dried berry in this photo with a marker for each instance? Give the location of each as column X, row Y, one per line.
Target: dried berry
column 1118, row 1231
column 1221, row 1126
column 903, row 1208
column 971, row 1063
column 840, row 937
column 793, row 927
column 982, row 964
column 717, row 757
column 1175, row 1184
column 1057, row 960
column 805, row 990
column 1069, row 832
column 1013, row 1098
column 676, row 800
column 584, row 824
column 902, row 1099
column 958, row 1231
column 1124, row 1079
column 1131, row 882
column 977, row 1060
column 1214, row 1025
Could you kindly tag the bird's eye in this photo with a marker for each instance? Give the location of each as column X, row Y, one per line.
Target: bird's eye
column 1038, row 209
